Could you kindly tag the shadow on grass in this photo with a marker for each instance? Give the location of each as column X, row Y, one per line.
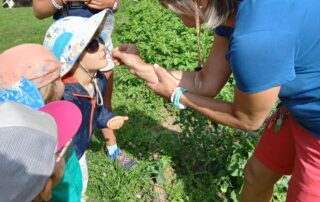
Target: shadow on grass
column 200, row 158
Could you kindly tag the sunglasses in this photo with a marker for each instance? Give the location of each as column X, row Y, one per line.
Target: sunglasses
column 93, row 45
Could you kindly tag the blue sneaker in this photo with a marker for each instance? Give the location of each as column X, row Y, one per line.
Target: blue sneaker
column 125, row 161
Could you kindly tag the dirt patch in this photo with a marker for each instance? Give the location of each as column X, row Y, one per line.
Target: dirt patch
column 169, row 120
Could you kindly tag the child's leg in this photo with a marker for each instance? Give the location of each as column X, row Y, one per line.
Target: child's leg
column 109, row 135
column 85, row 177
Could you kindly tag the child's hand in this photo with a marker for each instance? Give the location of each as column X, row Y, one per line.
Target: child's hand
column 116, row 122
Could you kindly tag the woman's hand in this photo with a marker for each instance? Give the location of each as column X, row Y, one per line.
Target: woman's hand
column 166, row 83
column 117, row 122
column 128, row 55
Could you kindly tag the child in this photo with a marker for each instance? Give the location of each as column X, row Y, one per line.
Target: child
column 38, row 132
column 85, row 8
column 32, row 80
column 28, row 140
column 78, row 43
column 35, row 63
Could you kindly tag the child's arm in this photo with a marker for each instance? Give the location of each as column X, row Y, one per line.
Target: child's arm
column 107, row 119
column 117, row 122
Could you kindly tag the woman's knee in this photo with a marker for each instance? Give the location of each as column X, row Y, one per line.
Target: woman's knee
column 258, row 175
column 250, row 174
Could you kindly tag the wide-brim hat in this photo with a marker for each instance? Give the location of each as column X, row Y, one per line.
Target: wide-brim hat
column 68, row 37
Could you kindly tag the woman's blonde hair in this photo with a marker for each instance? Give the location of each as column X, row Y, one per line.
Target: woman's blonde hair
column 216, row 13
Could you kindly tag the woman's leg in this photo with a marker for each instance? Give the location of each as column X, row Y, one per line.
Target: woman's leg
column 108, row 134
column 258, row 182
column 273, row 157
column 305, row 181
column 108, row 95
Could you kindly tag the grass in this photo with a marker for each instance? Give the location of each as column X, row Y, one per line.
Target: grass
column 19, row 26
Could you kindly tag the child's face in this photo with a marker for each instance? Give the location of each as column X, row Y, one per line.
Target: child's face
column 94, row 55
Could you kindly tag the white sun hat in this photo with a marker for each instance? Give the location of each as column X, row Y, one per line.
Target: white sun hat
column 68, row 37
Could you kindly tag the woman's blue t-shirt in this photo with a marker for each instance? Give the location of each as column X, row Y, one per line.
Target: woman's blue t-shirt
column 277, row 43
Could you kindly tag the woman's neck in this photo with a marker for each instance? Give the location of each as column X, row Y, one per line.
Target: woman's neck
column 231, row 21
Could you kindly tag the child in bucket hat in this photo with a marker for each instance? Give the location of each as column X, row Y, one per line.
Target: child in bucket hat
column 78, row 43
column 32, row 145
column 45, row 8
column 36, row 75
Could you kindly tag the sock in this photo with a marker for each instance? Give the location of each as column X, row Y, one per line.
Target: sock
column 112, row 149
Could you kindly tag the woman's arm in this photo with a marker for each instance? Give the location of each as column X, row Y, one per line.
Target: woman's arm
column 247, row 112
column 213, row 76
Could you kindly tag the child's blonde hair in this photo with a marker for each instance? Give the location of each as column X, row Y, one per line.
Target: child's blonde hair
column 48, row 92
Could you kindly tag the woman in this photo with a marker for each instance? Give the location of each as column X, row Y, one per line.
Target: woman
column 273, row 52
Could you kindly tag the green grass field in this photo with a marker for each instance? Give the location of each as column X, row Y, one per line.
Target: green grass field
column 197, row 161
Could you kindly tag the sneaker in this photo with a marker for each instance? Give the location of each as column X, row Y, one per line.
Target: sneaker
column 125, row 161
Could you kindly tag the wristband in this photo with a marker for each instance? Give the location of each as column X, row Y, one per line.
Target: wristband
column 173, row 94
column 176, row 100
column 56, row 5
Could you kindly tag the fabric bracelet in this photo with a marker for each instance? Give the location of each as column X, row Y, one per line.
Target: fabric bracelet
column 56, row 5
column 173, row 94
column 176, row 101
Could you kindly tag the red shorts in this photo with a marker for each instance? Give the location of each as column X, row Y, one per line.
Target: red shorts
column 292, row 151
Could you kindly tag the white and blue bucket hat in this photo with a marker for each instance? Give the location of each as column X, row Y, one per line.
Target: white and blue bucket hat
column 68, row 37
